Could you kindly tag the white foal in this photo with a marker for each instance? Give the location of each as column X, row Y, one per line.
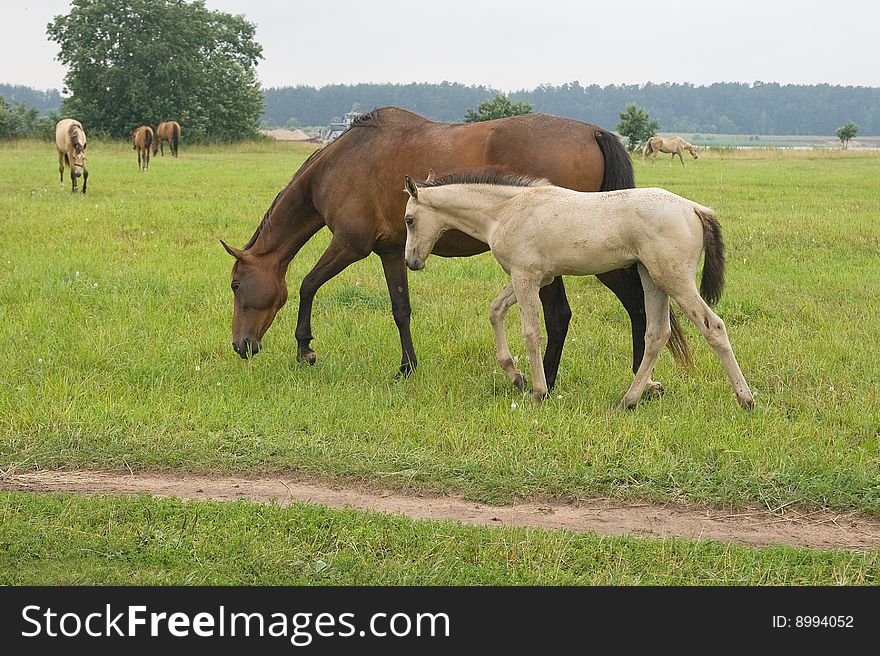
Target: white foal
column 537, row 231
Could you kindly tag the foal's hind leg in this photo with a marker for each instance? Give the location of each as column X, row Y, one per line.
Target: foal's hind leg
column 497, row 312
column 626, row 285
column 713, row 329
column 657, row 332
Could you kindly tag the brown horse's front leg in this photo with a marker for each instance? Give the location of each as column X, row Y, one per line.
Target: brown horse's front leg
column 334, row 260
column 85, row 179
column 398, row 290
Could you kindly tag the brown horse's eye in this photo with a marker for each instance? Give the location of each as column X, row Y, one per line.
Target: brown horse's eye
column 235, row 286
column 409, row 220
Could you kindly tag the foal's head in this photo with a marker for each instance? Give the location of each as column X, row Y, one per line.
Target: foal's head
column 260, row 291
column 424, row 226
column 692, row 150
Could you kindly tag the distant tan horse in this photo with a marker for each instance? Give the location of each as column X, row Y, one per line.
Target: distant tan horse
column 674, row 145
column 70, row 140
column 167, row 131
column 143, row 140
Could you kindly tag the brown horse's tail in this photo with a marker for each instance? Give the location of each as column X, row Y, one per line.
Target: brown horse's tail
column 175, row 136
column 618, row 166
column 712, row 282
column 156, row 143
column 148, row 140
column 619, row 175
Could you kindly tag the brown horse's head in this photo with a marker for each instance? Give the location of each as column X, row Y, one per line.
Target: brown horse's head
column 260, row 291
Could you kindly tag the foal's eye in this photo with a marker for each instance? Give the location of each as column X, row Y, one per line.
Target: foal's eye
column 409, row 220
column 235, row 286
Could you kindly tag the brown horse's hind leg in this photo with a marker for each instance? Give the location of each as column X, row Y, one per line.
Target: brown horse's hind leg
column 557, row 316
column 334, row 260
column 398, row 290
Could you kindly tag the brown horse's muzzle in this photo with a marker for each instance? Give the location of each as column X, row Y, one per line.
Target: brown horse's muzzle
column 246, row 347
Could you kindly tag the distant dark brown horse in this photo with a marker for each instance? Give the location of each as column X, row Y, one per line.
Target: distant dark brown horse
column 167, row 131
column 70, row 142
column 143, row 140
column 353, row 187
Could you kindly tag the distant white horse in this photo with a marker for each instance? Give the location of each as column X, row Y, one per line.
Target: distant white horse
column 537, row 231
column 674, row 145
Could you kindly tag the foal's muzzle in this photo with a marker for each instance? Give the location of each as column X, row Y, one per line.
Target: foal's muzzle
column 415, row 263
column 247, row 347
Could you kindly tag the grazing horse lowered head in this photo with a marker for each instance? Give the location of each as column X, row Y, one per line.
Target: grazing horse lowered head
column 352, row 186
column 143, row 140
column 167, row 131
column 589, row 233
column 70, row 142
column 674, row 145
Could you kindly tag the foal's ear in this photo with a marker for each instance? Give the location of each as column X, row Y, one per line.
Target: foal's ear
column 234, row 252
column 410, row 187
column 430, row 177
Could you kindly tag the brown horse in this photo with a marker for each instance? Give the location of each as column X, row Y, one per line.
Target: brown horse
column 167, row 131
column 70, row 141
column 142, row 140
column 352, row 186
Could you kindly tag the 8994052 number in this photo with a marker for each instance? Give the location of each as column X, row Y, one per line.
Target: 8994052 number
column 823, row 621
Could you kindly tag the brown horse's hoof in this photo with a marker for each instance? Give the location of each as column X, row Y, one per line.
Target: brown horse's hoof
column 308, row 357
column 519, row 382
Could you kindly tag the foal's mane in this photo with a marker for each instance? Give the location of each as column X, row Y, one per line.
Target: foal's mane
column 489, row 177
column 309, row 161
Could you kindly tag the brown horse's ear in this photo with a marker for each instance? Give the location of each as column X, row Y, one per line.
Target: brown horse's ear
column 234, row 252
column 410, row 187
column 430, row 177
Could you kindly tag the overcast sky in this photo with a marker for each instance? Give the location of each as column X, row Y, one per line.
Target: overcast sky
column 515, row 44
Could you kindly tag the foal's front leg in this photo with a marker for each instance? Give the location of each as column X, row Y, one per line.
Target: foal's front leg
column 497, row 312
column 527, row 290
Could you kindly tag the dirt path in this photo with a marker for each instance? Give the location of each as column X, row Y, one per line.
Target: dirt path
column 748, row 526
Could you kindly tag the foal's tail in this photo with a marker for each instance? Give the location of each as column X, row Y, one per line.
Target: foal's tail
column 647, row 150
column 713, row 264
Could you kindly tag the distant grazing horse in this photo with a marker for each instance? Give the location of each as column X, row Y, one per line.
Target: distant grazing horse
column 674, row 145
column 537, row 232
column 143, row 140
column 352, row 186
column 70, row 140
column 167, row 131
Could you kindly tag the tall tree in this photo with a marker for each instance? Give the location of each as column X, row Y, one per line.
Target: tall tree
column 143, row 61
column 636, row 126
column 498, row 107
column 847, row 132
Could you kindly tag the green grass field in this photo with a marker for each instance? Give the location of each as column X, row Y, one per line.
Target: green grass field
column 115, row 314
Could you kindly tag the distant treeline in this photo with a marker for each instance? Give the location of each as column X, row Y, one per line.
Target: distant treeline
column 43, row 101
column 726, row 107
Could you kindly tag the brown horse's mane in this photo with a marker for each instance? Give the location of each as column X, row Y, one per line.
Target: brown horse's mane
column 370, row 119
column 309, row 161
column 489, row 177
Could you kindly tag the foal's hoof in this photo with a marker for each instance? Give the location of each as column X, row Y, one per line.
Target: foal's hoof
column 625, row 405
column 406, row 369
column 747, row 403
column 655, row 388
column 519, row 382
column 308, row 357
